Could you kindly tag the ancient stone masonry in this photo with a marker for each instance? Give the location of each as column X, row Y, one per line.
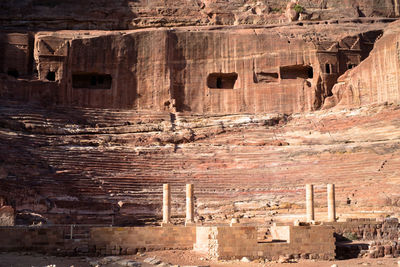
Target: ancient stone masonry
column 375, row 238
column 331, row 203
column 82, row 161
column 276, row 72
column 367, row 229
column 189, row 204
column 220, row 242
column 130, row 240
column 166, row 204
column 99, row 107
column 241, row 241
column 376, row 80
column 310, row 202
column 237, row 128
column 57, row 240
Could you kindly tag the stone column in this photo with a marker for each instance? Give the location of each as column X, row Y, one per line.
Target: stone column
column 331, row 203
column 189, row 204
column 310, row 202
column 166, row 204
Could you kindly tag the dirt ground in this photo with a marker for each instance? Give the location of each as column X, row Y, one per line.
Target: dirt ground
column 190, row 258
column 38, row 260
column 176, row 257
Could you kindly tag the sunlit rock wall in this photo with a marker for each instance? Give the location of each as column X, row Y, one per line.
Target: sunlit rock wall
column 376, row 80
column 128, row 14
column 200, row 71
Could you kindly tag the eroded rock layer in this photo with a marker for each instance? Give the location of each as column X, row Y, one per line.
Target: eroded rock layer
column 376, row 80
column 197, row 70
column 126, row 14
column 86, row 165
column 93, row 122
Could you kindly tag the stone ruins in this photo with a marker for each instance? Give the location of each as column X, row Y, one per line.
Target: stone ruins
column 257, row 129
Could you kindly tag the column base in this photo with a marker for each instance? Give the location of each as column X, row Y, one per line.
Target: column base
column 190, row 224
column 166, row 224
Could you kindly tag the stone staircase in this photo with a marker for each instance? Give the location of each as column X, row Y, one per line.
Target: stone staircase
column 75, row 166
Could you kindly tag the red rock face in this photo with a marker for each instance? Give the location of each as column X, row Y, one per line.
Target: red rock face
column 208, row 71
column 89, row 165
column 125, row 14
column 93, row 122
column 377, row 79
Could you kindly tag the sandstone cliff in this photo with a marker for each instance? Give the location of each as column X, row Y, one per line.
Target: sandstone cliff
column 201, row 71
column 125, row 14
column 376, row 80
column 93, row 121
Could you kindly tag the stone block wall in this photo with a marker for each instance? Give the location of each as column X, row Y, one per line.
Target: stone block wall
column 280, row 233
column 130, row 240
column 316, row 242
column 31, row 238
column 374, row 249
column 202, row 239
column 101, row 240
column 56, row 239
column 227, row 242
column 382, row 249
column 367, row 229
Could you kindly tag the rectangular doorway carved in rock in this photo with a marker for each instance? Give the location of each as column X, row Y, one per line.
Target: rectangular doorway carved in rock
column 91, row 81
column 296, row 71
column 222, row 80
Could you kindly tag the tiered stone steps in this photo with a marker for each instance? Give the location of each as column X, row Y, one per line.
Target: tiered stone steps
column 80, row 163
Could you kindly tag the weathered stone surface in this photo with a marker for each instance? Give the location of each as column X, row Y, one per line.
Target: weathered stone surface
column 49, row 240
column 93, row 122
column 128, row 14
column 83, row 162
column 245, row 259
column 152, row 260
column 290, row 12
column 376, row 80
column 241, row 243
column 282, row 69
column 7, row 216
